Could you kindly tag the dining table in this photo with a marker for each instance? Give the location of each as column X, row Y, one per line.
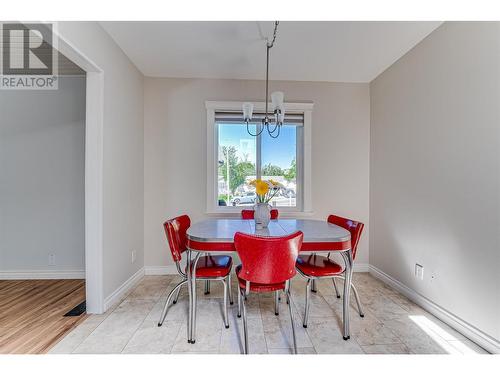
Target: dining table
column 216, row 236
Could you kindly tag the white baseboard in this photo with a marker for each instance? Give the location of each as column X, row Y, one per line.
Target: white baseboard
column 123, row 289
column 361, row 267
column 42, row 274
column 480, row 338
column 171, row 269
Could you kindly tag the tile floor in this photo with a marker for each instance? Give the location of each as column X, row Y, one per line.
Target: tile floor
column 392, row 324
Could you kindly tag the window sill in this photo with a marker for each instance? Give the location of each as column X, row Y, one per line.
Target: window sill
column 236, row 213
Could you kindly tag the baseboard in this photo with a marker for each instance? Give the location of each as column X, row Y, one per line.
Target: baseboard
column 361, row 267
column 123, row 289
column 172, row 269
column 480, row 338
column 42, row 274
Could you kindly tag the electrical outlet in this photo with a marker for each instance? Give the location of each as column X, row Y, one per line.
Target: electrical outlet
column 419, row 271
column 52, row 259
column 134, row 256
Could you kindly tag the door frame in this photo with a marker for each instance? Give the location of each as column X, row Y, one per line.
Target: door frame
column 94, row 127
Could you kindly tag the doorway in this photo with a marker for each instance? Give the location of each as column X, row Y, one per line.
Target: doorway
column 42, row 211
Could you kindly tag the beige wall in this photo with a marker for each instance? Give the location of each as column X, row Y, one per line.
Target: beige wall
column 434, row 171
column 175, row 150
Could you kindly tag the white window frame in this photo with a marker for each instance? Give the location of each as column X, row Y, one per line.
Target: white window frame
column 212, row 154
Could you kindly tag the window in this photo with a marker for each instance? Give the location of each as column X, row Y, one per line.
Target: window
column 234, row 158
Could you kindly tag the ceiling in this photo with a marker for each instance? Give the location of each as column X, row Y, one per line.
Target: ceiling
column 304, row 51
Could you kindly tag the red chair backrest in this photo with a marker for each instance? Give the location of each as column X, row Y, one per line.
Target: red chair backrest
column 175, row 229
column 354, row 227
column 248, row 214
column 267, row 260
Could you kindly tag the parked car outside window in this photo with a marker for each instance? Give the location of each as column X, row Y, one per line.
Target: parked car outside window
column 248, row 198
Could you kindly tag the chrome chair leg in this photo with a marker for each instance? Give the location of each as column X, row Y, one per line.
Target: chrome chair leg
column 289, row 288
column 230, row 289
column 276, row 303
column 308, row 295
column 360, row 309
column 207, row 286
column 245, row 328
column 176, row 296
column 335, row 286
column 226, row 320
column 167, row 302
column 239, row 303
column 313, row 286
column 290, row 302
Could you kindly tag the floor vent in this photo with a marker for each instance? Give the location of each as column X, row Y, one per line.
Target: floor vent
column 78, row 310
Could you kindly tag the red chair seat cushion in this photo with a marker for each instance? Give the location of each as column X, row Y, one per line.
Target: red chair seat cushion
column 256, row 287
column 213, row 266
column 318, row 265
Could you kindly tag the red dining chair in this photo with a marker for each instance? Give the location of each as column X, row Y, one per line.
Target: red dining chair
column 267, row 265
column 314, row 266
column 248, row 214
column 216, row 267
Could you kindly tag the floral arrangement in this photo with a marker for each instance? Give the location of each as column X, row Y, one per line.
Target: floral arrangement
column 265, row 190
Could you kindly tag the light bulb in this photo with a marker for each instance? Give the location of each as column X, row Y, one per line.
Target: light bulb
column 247, row 111
column 277, row 99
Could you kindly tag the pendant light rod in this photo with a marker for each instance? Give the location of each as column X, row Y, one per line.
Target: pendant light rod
column 267, row 81
column 276, row 97
column 268, row 47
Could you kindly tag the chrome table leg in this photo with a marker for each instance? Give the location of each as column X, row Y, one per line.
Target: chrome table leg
column 347, row 255
column 189, row 282
column 193, row 291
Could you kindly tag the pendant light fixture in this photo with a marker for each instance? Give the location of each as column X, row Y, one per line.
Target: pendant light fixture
column 273, row 128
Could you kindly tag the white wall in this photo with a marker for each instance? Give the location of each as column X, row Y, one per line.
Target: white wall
column 42, row 161
column 123, row 192
column 175, row 150
column 435, row 167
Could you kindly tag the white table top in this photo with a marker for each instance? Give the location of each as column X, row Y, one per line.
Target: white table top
column 223, row 230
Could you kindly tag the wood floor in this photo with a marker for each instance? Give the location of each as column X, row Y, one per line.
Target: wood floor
column 32, row 313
